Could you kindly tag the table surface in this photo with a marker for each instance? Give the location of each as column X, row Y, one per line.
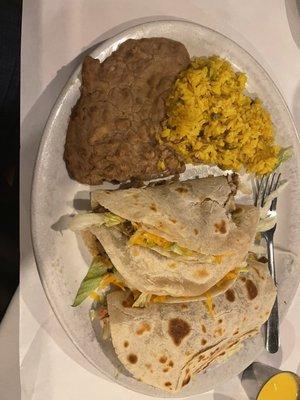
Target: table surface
column 55, row 36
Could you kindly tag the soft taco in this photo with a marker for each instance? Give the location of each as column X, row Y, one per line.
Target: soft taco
column 184, row 339
column 177, row 240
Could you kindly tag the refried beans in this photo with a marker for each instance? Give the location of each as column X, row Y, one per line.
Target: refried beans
column 113, row 127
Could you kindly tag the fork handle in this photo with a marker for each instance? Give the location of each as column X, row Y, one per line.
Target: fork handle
column 271, row 258
column 272, row 325
column 272, row 331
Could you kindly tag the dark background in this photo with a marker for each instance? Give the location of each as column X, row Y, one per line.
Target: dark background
column 10, row 37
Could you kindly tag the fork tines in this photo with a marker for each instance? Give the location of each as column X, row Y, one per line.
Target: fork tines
column 265, row 186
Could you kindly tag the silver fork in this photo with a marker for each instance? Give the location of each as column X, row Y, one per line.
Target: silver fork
column 265, row 186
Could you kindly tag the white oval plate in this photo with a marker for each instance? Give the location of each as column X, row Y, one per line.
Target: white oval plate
column 62, row 260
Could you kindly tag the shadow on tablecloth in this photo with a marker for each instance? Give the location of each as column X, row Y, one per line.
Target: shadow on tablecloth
column 293, row 15
column 10, row 35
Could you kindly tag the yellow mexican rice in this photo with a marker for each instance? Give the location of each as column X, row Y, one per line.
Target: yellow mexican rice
column 211, row 120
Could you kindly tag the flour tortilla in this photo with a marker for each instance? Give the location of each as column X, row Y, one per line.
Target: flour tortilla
column 96, row 249
column 148, row 271
column 195, row 214
column 164, row 345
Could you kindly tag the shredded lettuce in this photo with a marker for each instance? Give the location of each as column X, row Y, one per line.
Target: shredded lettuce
column 142, row 300
column 104, row 323
column 190, row 253
column 84, row 221
column 98, row 268
column 111, row 219
column 92, row 315
column 284, row 155
column 268, row 219
column 177, row 249
column 244, row 270
column 266, row 207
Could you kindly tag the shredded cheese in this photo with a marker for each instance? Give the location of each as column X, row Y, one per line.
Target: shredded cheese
column 95, row 296
column 159, row 299
column 231, row 275
column 161, row 165
column 142, row 300
column 209, row 304
column 111, row 279
column 147, row 239
column 218, row 258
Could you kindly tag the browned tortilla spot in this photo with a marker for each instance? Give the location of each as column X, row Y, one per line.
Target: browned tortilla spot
column 201, row 273
column 219, row 331
column 126, row 344
column 171, row 364
column 263, row 259
column 220, row 227
column 196, row 231
column 203, row 342
column 236, row 332
column 222, row 354
column 168, row 384
column 229, row 294
column 258, row 273
column 144, row 327
column 214, row 351
column 128, row 301
column 220, row 321
column 181, row 190
column 184, row 306
column 173, row 220
column 203, row 328
column 153, row 207
column 251, row 289
column 163, row 359
column 166, row 369
column 178, row 329
column 186, row 380
column 132, row 358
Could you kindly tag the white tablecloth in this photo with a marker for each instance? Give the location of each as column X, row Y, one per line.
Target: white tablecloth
column 54, row 35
